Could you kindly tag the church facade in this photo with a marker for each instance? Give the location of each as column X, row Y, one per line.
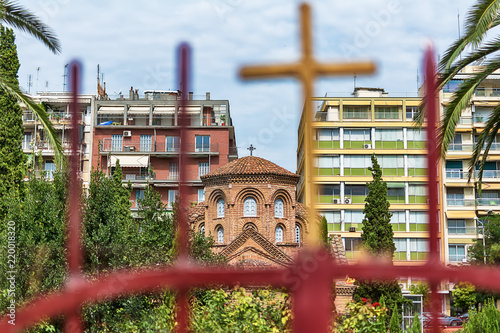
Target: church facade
column 251, row 211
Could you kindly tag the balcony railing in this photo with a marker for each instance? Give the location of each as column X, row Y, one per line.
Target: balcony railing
column 456, row 174
column 462, row 230
column 488, row 201
column 461, row 202
column 108, row 145
column 460, row 147
column 487, row 92
column 44, row 145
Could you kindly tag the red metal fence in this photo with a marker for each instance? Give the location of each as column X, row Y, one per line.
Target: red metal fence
column 309, row 280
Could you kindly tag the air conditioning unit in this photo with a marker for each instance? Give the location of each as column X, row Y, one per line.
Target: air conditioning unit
column 402, row 286
column 127, row 133
column 336, row 201
column 352, row 229
column 367, row 146
column 129, row 148
column 347, row 200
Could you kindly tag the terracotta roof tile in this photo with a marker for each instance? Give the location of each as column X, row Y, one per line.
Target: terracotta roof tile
column 250, row 165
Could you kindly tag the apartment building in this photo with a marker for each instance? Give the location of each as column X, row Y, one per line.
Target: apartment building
column 142, row 133
column 35, row 142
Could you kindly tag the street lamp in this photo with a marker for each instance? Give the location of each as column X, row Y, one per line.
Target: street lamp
column 482, row 227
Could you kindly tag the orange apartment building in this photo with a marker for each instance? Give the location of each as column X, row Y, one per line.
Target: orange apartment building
column 142, row 134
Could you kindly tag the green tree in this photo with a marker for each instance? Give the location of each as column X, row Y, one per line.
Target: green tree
column 486, row 320
column 415, row 327
column 481, row 19
column 12, row 158
column 323, row 229
column 464, row 295
column 377, row 233
column 378, row 240
column 395, row 323
column 491, row 239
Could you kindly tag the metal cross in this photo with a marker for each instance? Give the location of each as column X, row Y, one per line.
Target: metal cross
column 251, row 148
column 306, row 70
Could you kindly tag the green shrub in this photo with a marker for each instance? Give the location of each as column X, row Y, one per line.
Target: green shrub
column 486, row 320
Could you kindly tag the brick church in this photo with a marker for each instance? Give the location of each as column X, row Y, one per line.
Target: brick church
column 251, row 212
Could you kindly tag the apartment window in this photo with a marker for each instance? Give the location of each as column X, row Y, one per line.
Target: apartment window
column 172, row 143
column 201, row 195
column 411, row 112
column 173, row 171
column 145, row 143
column 50, row 168
column 455, row 197
column 220, row 235
column 396, row 192
column 139, row 195
column 418, row 221
column 417, row 165
column 328, row 138
column 352, row 247
column 27, row 141
column 386, row 112
column 398, row 221
column 279, row 234
column 203, row 168
column 357, row 135
column 249, row 207
column 456, row 227
column 357, row 165
column 456, row 252
column 392, row 165
column 416, row 138
column 332, row 220
column 418, row 249
column 116, row 142
column 278, row 208
column 355, row 193
column 454, row 169
column 328, row 165
column 327, row 193
column 353, row 218
column 452, row 86
column 356, row 112
column 401, row 249
column 417, row 193
column 202, row 143
column 389, row 139
column 220, row 208
column 456, row 143
column 172, row 197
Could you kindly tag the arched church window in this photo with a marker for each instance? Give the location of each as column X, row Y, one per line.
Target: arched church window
column 278, row 208
column 220, row 208
column 297, row 233
column 250, row 207
column 279, row 234
column 220, row 235
column 202, row 228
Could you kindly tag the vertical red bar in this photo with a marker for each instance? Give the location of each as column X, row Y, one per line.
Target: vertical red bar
column 73, row 322
column 182, row 223
column 432, row 163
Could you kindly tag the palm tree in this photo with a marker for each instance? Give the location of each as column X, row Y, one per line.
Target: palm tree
column 481, row 18
column 13, row 14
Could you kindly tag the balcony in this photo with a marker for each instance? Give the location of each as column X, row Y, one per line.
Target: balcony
column 455, row 174
column 488, row 201
column 43, row 146
column 131, row 146
column 460, row 147
column 457, row 202
column 462, row 230
column 487, row 92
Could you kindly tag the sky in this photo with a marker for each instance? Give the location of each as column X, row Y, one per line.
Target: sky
column 135, row 44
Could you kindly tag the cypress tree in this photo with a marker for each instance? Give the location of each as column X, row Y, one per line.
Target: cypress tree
column 377, row 233
column 323, row 229
column 12, row 158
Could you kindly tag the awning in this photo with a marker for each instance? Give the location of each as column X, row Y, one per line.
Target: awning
column 395, row 185
column 464, row 214
column 110, row 109
column 131, row 161
column 164, row 110
column 138, row 110
column 191, row 109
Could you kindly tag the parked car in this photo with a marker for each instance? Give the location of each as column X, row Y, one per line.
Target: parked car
column 443, row 320
column 464, row 317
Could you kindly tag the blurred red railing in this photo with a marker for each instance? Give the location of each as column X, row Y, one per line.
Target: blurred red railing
column 309, row 280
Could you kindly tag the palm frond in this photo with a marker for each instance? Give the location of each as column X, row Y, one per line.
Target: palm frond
column 15, row 15
column 482, row 17
column 459, row 102
column 488, row 135
column 14, row 91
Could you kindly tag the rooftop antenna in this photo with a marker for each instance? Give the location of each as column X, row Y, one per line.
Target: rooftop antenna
column 65, row 75
column 29, row 84
column 37, row 73
column 354, row 82
column 46, row 85
column 418, row 79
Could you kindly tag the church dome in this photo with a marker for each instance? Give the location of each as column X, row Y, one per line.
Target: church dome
column 250, row 165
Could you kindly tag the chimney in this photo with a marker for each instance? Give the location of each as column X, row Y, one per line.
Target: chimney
column 208, row 96
column 190, row 96
column 136, row 95
column 131, row 94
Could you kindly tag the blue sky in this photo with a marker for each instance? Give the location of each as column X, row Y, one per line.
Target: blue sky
column 135, row 43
